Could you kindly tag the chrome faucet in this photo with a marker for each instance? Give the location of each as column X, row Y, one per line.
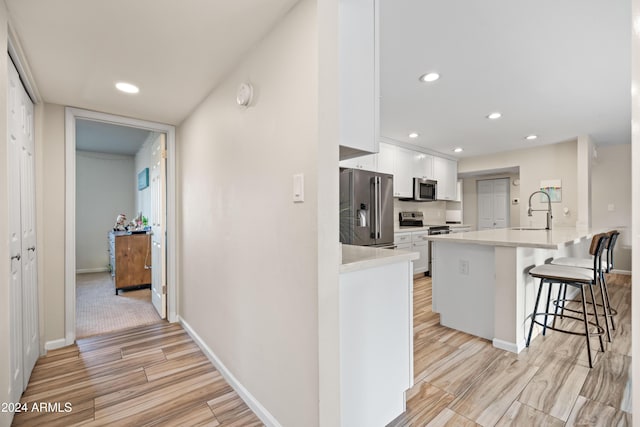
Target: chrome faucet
column 548, row 210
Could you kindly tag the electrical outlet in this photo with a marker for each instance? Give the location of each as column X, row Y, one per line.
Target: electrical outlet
column 463, row 267
column 611, row 207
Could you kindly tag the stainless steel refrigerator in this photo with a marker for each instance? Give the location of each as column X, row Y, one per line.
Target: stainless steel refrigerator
column 366, row 208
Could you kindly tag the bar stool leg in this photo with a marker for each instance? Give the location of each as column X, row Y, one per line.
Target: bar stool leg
column 586, row 324
column 546, row 311
column 595, row 313
column 535, row 310
column 608, row 304
column 605, row 309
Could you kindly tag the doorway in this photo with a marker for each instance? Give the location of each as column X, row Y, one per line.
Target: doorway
column 493, row 203
column 163, row 243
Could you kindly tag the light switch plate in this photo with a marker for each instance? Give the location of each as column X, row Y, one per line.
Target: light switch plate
column 298, row 188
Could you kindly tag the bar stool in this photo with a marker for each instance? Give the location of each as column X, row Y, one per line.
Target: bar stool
column 605, row 266
column 569, row 276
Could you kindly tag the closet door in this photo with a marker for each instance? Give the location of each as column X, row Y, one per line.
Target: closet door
column 24, row 280
column 15, row 233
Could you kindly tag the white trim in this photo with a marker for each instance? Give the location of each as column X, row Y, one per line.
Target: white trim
column 52, row 345
column 262, row 413
column 508, row 346
column 625, row 272
column 71, row 114
column 22, row 65
column 92, row 270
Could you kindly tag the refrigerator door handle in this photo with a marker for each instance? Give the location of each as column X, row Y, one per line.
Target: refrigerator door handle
column 378, row 207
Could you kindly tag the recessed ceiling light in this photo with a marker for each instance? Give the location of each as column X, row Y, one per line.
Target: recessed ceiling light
column 413, row 135
column 531, row 137
column 458, row 150
column 494, row 116
column 127, row 87
column 429, row 77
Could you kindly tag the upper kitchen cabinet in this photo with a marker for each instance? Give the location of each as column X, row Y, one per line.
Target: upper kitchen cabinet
column 423, row 166
column 359, row 81
column 445, row 171
column 386, row 157
column 403, row 164
column 368, row 162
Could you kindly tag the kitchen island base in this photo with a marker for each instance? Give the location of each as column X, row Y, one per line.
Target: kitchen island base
column 485, row 290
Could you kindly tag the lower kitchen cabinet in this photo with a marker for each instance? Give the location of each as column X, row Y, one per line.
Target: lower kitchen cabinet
column 420, row 244
column 415, row 241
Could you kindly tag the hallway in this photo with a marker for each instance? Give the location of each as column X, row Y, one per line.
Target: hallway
column 153, row 375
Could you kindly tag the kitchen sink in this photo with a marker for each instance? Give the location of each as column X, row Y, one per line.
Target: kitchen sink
column 528, row 228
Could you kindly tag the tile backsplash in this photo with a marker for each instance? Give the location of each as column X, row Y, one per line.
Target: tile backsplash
column 434, row 212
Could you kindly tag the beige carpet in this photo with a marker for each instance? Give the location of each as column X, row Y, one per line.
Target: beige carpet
column 99, row 310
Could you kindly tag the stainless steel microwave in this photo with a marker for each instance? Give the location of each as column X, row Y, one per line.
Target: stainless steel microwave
column 424, row 190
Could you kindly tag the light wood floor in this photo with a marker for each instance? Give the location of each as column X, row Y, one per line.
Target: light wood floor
column 152, row 375
column 461, row 380
column 156, row 375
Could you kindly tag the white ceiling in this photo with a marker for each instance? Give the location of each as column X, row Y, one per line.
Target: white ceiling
column 109, row 138
column 558, row 69
column 175, row 51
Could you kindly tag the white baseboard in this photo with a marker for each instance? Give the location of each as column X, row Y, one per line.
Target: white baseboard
column 92, row 270
column 52, row 345
column 508, row 346
column 625, row 272
column 262, row 413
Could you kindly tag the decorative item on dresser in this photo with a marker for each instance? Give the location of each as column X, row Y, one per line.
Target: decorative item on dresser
column 130, row 259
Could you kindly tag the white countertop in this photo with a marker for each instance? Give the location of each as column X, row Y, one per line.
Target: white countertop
column 426, row 227
column 356, row 258
column 547, row 239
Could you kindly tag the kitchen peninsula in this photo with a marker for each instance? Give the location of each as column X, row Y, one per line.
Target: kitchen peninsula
column 481, row 283
column 376, row 334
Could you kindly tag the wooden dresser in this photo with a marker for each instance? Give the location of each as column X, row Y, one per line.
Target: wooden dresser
column 129, row 254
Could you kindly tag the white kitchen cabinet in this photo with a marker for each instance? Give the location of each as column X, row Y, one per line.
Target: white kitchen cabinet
column 445, row 171
column 359, row 105
column 403, row 165
column 420, row 244
column 422, row 166
column 386, row 157
column 402, row 239
column 368, row 162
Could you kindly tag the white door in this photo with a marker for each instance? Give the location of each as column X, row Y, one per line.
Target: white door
column 158, row 226
column 15, row 234
column 493, row 203
column 24, row 285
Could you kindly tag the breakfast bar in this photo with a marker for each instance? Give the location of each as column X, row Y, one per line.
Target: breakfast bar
column 481, row 283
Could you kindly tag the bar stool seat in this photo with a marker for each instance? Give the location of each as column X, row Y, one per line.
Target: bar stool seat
column 576, row 277
column 562, row 273
column 577, row 262
column 605, row 265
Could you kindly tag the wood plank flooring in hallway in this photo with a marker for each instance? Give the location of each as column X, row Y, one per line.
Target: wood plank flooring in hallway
column 151, row 375
column 461, row 380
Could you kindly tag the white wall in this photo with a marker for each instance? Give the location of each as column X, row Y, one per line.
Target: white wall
column 51, row 237
column 556, row 161
column 143, row 160
column 611, row 188
column 105, row 187
column 248, row 261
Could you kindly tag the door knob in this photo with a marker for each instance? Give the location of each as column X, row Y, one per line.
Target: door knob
column 16, row 257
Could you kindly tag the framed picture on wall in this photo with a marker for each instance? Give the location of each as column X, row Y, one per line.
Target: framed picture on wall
column 143, row 179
